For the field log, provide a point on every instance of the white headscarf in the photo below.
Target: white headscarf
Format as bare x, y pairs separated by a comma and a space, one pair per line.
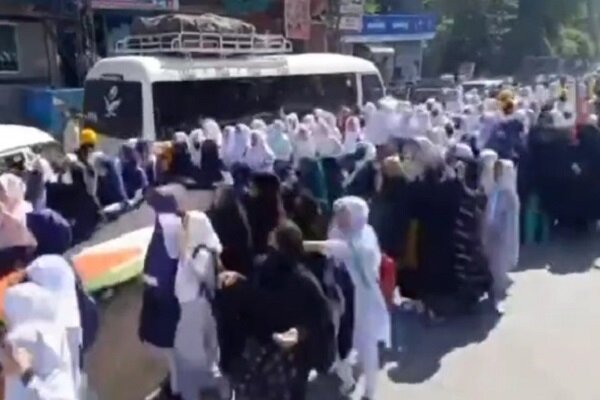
422, 121
331, 146
362, 257
258, 125
438, 136
292, 123
508, 178
491, 106
429, 154
54, 273
212, 131
12, 196
541, 94
180, 137
278, 141
488, 161
376, 131
228, 138
32, 317
352, 135
259, 157
42, 166
14, 232
238, 144
196, 138
310, 121
304, 144
368, 111
196, 267
463, 150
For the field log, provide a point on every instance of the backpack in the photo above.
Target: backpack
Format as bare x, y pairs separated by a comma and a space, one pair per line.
89, 315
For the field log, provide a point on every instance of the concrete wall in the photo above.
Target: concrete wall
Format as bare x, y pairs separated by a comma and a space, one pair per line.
38, 66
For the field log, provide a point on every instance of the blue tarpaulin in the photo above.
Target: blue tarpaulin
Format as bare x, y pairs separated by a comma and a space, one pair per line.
41, 110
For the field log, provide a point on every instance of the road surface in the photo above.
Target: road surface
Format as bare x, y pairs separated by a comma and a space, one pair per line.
546, 347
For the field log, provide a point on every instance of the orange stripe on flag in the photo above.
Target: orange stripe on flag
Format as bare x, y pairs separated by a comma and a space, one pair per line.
91, 266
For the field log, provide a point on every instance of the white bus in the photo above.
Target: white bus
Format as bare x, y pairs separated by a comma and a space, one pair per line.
153, 94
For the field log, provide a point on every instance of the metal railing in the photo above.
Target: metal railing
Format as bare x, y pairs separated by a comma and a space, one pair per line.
201, 43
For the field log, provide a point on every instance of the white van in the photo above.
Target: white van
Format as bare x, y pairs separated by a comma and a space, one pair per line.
160, 91
19, 143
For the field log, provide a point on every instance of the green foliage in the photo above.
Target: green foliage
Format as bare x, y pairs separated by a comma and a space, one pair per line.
497, 34
574, 43
372, 7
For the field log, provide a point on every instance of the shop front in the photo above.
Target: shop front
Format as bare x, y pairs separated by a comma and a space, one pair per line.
394, 42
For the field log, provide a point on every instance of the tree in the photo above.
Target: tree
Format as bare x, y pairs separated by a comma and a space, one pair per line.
498, 34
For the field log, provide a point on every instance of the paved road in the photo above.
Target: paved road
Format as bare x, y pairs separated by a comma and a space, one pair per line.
546, 347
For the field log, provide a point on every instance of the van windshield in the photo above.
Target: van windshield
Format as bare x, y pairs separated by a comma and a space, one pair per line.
180, 105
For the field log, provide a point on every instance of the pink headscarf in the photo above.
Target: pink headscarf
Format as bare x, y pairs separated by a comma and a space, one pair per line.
12, 196
14, 232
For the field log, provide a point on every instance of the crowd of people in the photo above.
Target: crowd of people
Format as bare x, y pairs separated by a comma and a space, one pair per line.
288, 271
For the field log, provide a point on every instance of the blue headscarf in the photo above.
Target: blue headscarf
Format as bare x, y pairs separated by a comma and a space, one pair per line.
51, 231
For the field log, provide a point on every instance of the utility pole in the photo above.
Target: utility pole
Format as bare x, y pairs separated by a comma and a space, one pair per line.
86, 41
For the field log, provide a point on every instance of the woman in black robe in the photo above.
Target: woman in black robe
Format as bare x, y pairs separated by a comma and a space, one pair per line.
284, 327
436, 210
229, 221
264, 208
470, 265
211, 166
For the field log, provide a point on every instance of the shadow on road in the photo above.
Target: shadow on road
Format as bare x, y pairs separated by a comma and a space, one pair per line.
424, 346
567, 253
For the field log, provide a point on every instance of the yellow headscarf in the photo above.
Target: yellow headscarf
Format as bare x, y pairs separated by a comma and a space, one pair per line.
88, 137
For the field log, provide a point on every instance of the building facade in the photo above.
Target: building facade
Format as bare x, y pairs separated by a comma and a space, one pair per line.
394, 38
28, 55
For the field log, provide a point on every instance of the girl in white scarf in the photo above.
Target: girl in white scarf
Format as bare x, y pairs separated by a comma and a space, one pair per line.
304, 145
196, 345
279, 142
353, 241
368, 111
55, 274
36, 357
237, 145
212, 131
196, 138
501, 230
352, 135
259, 157
12, 196
488, 159
292, 124
259, 125
228, 137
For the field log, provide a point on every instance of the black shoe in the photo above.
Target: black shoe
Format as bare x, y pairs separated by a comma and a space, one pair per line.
166, 393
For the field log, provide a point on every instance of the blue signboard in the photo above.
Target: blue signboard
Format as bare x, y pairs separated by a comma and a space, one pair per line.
394, 28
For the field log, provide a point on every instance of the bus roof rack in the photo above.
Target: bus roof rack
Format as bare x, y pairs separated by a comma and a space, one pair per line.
204, 43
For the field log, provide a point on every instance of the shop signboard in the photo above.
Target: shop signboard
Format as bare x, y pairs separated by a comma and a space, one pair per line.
158, 5
351, 15
394, 28
297, 19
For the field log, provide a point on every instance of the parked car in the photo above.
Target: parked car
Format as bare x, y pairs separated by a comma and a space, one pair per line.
21, 144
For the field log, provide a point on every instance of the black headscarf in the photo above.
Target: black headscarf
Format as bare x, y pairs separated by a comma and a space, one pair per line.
231, 225
264, 209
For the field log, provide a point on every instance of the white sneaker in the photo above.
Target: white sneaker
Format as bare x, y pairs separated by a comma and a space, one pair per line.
344, 371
